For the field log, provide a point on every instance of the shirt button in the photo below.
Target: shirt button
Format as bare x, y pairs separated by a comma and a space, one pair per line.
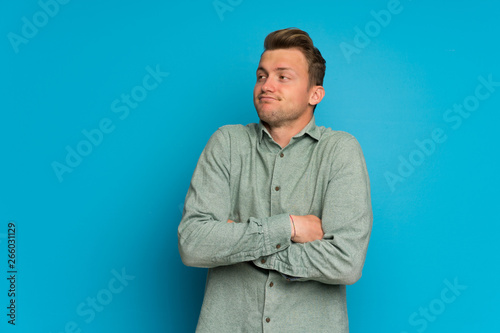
277, 188
281, 155
268, 319
271, 284
263, 261
278, 246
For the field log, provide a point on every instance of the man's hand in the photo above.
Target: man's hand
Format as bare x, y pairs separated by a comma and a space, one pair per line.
307, 228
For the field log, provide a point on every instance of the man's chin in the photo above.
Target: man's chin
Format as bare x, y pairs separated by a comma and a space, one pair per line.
266, 108
266, 115
270, 119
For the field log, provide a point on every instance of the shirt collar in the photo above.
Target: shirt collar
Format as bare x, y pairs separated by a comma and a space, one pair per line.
310, 129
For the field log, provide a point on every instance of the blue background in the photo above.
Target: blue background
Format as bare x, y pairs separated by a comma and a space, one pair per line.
119, 207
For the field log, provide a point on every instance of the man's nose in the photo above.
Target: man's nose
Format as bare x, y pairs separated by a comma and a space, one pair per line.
268, 85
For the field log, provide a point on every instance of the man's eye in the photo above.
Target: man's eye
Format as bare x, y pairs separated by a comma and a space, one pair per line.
260, 77
283, 77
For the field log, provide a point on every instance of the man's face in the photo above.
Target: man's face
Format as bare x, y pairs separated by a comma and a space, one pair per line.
281, 94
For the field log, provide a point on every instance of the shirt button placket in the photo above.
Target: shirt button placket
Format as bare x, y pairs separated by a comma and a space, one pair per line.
276, 186
270, 302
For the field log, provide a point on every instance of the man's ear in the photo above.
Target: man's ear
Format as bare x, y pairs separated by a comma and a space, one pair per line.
317, 94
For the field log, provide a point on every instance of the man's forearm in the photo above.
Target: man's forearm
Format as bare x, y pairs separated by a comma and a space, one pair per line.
205, 242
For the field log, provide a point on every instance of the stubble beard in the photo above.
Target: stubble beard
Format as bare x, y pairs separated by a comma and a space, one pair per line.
278, 117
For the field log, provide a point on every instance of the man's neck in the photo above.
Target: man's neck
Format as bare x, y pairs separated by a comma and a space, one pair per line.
283, 134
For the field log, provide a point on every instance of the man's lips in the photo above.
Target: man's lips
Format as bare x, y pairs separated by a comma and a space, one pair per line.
268, 98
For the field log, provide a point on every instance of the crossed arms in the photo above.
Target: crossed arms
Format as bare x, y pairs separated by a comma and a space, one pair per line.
330, 250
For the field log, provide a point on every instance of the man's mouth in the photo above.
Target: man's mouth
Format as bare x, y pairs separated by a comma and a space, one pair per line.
268, 98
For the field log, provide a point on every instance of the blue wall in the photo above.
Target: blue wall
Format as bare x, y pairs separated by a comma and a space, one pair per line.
106, 106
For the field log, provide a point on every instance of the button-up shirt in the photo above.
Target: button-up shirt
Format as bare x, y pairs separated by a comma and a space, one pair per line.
258, 279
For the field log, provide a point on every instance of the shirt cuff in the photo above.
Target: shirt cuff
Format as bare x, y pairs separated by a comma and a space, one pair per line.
277, 231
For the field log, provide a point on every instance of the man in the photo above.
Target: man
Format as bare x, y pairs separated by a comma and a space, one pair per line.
279, 211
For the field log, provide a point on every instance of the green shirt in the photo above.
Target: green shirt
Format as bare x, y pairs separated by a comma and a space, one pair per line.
245, 176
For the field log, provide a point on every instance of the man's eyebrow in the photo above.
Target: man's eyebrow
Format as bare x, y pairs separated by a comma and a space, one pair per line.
281, 69
278, 69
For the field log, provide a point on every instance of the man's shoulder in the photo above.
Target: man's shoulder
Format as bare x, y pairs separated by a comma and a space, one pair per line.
333, 137
233, 136
239, 130
339, 147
